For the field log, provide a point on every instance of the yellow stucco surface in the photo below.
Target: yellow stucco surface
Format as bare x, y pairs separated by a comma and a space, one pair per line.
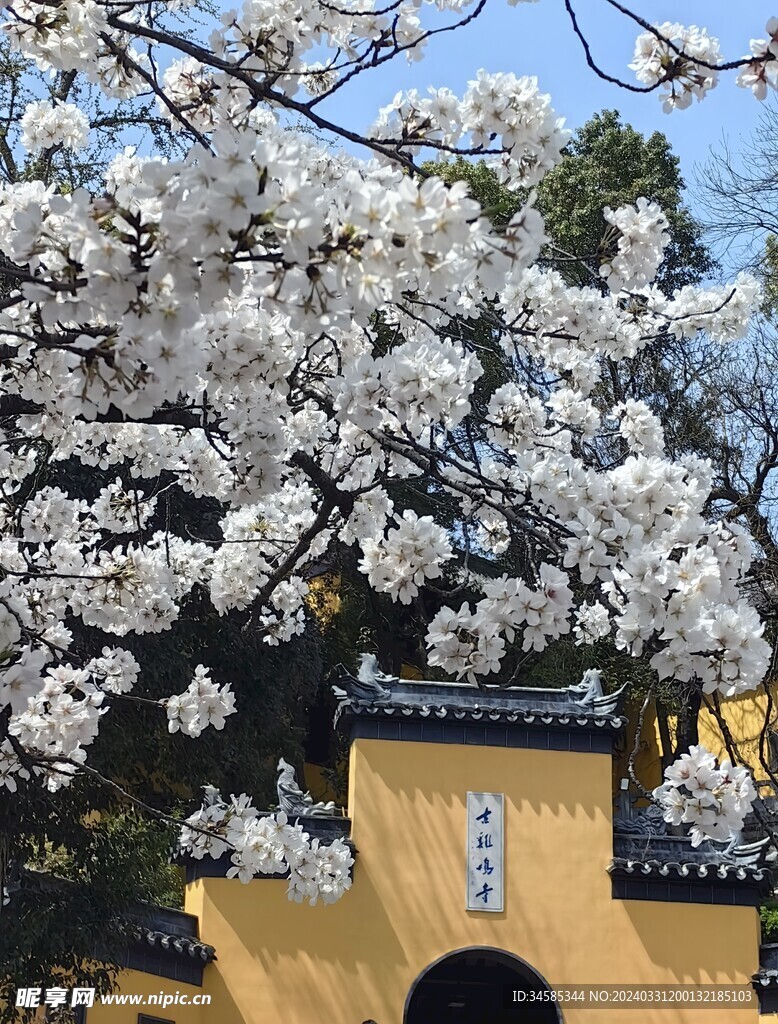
745, 716
356, 960
648, 757
137, 983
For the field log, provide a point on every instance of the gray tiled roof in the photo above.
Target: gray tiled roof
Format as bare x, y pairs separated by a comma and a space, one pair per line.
464, 702
166, 943
186, 945
767, 975
688, 869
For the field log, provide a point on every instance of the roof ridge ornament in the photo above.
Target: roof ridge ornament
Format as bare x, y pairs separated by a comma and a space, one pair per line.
368, 684
592, 695
293, 801
373, 694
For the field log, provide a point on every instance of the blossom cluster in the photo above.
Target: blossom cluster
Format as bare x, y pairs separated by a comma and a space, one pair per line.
761, 73
55, 714
409, 554
506, 117
713, 799
202, 703
267, 844
472, 643
685, 63
642, 241
55, 710
45, 125
672, 57
189, 85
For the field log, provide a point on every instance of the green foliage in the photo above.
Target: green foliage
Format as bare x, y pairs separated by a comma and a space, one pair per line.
768, 915
124, 844
606, 163
68, 915
609, 163
498, 202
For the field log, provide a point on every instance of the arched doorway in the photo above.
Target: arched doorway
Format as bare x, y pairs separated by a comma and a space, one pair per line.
477, 986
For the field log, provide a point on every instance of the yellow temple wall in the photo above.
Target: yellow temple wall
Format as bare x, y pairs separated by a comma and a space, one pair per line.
648, 758
138, 983
357, 959
745, 717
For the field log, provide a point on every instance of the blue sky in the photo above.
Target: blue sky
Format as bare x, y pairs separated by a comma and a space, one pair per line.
537, 39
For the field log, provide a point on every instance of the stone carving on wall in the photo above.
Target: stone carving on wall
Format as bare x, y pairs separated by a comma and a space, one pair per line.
646, 821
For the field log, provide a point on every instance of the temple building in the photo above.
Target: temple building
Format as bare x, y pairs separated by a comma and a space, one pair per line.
493, 867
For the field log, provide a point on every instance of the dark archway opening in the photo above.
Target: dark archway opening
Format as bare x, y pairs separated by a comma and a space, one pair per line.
480, 986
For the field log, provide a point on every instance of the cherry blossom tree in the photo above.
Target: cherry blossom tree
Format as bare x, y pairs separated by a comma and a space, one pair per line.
214, 318
608, 162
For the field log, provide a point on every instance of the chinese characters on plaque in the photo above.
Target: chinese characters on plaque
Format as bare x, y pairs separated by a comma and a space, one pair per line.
484, 851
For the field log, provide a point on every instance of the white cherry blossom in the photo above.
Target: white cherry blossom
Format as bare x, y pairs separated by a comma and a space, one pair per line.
268, 844
46, 125
713, 799
203, 703
677, 67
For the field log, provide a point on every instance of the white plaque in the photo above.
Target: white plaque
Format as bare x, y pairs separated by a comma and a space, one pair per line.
485, 851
